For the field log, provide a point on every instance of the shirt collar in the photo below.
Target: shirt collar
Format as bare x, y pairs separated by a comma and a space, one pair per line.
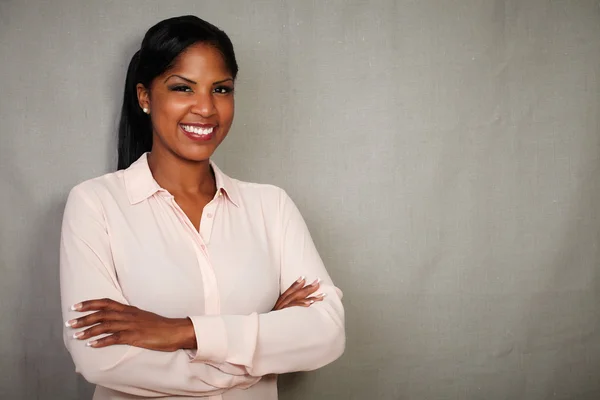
226, 185
140, 184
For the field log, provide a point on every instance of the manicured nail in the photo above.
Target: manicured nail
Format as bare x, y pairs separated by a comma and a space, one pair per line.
300, 279
316, 282
70, 323
321, 295
91, 344
76, 307
312, 301
77, 335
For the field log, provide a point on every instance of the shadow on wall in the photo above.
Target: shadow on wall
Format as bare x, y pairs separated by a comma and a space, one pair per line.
288, 384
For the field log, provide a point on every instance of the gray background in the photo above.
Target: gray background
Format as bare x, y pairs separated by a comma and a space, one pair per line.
445, 155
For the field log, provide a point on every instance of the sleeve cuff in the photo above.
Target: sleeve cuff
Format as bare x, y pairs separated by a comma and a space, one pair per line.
211, 339
225, 339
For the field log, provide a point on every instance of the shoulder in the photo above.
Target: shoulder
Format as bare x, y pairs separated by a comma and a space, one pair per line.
272, 201
257, 189
97, 190
260, 192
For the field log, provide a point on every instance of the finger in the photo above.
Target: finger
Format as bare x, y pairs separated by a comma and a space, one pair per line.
102, 329
121, 337
316, 282
318, 297
304, 292
299, 295
295, 286
97, 317
300, 303
286, 304
309, 301
306, 302
99, 304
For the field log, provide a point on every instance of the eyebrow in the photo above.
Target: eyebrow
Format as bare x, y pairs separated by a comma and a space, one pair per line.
223, 81
180, 77
193, 82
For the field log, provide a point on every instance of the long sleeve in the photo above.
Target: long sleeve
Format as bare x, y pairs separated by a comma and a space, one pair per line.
87, 272
292, 339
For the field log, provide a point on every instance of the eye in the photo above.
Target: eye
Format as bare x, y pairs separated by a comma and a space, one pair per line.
181, 88
223, 89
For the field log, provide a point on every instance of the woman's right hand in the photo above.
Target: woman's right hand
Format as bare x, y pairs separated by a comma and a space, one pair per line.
299, 295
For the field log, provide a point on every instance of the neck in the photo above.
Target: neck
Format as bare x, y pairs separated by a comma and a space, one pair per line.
177, 175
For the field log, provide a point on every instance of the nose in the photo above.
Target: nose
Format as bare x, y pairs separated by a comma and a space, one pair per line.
204, 105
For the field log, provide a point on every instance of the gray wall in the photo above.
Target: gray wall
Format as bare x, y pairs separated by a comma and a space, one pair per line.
445, 155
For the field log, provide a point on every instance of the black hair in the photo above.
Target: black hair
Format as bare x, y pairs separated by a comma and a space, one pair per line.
162, 44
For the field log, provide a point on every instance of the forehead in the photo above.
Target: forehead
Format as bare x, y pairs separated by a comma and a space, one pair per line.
200, 59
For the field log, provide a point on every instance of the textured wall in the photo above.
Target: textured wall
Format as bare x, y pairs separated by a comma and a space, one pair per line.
445, 155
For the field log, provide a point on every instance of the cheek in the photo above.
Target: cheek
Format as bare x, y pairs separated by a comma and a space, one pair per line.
226, 111
173, 107
167, 111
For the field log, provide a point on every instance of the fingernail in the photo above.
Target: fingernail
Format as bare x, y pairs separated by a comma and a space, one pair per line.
70, 323
76, 307
300, 279
77, 335
312, 301
316, 282
91, 344
322, 295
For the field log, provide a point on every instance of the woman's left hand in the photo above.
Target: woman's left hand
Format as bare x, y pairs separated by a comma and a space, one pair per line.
132, 326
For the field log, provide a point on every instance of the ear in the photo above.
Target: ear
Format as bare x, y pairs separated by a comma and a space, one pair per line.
143, 96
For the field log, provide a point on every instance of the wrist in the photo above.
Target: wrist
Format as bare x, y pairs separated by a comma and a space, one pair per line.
185, 334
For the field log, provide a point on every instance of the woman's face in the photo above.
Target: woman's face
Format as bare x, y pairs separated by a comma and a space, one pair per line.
191, 105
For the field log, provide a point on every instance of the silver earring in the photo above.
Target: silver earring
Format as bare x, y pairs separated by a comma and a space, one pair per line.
146, 110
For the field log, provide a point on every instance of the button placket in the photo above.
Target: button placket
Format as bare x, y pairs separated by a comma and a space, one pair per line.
207, 221
208, 217
186, 221
211, 291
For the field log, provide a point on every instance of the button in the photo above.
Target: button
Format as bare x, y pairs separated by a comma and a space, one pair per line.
209, 215
220, 193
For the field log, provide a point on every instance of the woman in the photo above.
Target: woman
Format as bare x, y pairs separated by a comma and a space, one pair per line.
172, 272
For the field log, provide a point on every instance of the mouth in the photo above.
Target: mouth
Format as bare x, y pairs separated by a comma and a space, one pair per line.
199, 132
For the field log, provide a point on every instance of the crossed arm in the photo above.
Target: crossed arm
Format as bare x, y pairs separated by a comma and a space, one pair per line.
141, 353
119, 323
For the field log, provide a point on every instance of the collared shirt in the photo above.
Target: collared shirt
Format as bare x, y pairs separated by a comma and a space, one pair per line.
125, 238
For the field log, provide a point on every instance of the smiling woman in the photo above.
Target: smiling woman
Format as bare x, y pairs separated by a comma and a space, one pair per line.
177, 280
194, 102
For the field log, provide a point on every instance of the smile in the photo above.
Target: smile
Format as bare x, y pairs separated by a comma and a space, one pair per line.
204, 131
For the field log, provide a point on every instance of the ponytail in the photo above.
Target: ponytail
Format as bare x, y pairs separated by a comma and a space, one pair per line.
135, 128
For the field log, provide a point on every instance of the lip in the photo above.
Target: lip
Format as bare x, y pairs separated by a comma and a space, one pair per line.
199, 138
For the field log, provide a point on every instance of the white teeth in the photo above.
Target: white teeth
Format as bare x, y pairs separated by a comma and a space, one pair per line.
196, 130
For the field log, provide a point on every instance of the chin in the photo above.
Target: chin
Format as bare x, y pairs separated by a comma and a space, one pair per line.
197, 154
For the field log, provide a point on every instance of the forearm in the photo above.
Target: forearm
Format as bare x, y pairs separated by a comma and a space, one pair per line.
150, 373
184, 335
289, 340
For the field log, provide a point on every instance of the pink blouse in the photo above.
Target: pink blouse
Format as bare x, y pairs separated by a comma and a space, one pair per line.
125, 238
